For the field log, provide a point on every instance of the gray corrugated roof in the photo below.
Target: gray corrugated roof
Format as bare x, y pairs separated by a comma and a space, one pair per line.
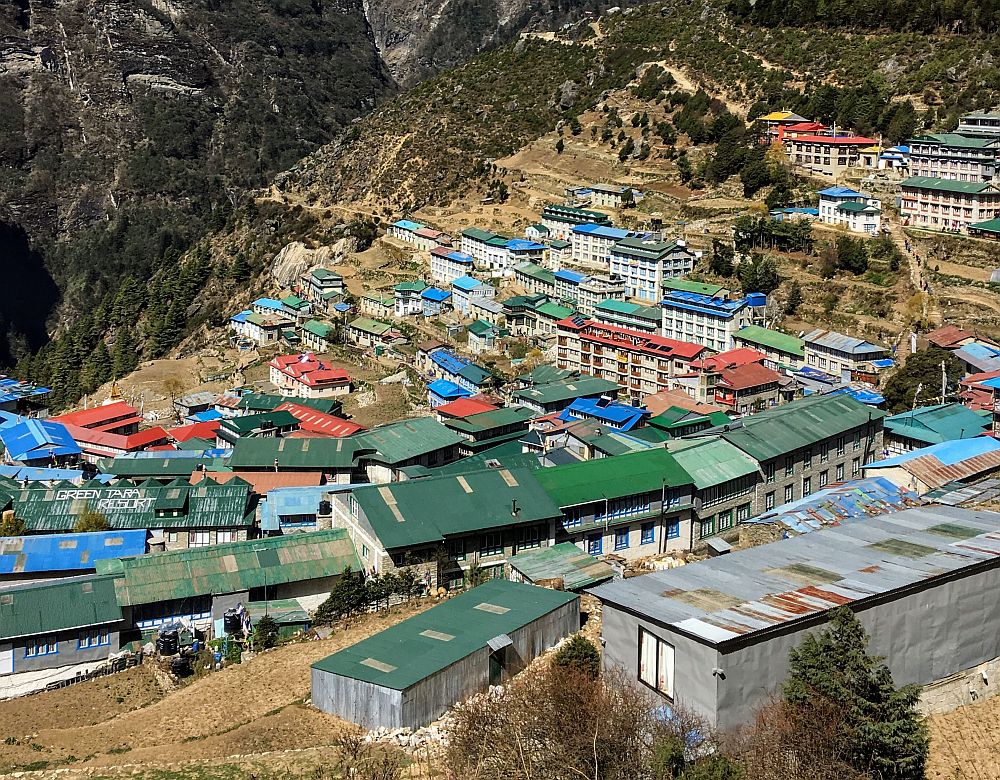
752, 590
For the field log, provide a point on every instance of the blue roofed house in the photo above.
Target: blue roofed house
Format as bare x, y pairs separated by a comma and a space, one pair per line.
49, 555
443, 391
858, 212
712, 321
445, 364
39, 443
566, 284
404, 230
434, 301
614, 414
932, 425
930, 468
978, 357
522, 250
265, 306
25, 398
448, 264
466, 289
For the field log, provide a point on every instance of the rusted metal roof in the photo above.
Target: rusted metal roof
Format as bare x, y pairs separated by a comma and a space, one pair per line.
745, 592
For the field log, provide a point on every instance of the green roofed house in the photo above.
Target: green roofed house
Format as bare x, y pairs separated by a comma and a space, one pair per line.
782, 350
563, 566
702, 288
420, 441
186, 515
445, 523
631, 505
489, 429
676, 421
555, 395
200, 585
251, 426
989, 228
161, 469
268, 402
410, 674
933, 425
318, 336
933, 204
339, 459
47, 625
633, 316
364, 332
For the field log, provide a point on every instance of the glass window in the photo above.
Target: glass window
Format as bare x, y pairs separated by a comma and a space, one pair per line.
789, 493
708, 526
769, 472
673, 529
769, 500
824, 453
856, 467
621, 538
647, 534
222, 537
46, 645
806, 486
492, 544
807, 459
840, 472
656, 663
456, 549
595, 544
93, 638
725, 519
789, 466
199, 539
528, 538
824, 478
857, 440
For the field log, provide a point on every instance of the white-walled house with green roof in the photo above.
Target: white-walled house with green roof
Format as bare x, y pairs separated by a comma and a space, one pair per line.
947, 205
365, 332
318, 336
782, 349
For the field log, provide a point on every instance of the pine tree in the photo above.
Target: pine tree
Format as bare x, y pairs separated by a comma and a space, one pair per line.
579, 654
265, 633
884, 735
124, 355
794, 299
97, 369
560, 146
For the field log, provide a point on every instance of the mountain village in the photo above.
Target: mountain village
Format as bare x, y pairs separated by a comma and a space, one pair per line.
597, 437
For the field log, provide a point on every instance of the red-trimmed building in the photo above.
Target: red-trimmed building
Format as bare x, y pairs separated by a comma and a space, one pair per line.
198, 430
747, 388
464, 407
306, 376
799, 129
116, 417
96, 444
315, 423
642, 364
827, 154
974, 394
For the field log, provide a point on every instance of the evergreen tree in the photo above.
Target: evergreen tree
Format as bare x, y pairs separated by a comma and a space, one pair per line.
265, 633
884, 736
923, 369
560, 146
97, 368
579, 654
124, 353
720, 262
684, 168
794, 299
759, 274
626, 151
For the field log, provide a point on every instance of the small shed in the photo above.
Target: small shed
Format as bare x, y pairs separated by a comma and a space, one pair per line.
411, 673
563, 562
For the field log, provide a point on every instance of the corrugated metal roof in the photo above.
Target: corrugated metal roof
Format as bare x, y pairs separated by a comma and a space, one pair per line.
937, 423
230, 568
563, 561
67, 552
567, 389
751, 590
314, 453
712, 461
424, 644
402, 441
949, 461
47, 607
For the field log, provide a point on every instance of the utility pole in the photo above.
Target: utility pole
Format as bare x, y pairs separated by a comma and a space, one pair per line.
944, 381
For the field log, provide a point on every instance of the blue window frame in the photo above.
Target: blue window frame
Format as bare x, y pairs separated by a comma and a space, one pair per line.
46, 645
595, 544
621, 538
648, 534
673, 529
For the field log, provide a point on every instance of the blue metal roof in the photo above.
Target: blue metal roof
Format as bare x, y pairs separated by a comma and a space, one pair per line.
460, 257
434, 294
67, 552
449, 361
948, 452
206, 416
524, 245
241, 317
602, 231
840, 192
407, 224
622, 416
466, 283
38, 474
269, 303
341, 307
442, 388
814, 212
869, 397
706, 304
570, 276
37, 439
884, 363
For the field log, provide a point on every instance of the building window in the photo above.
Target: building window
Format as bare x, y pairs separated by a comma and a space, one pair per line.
46, 645
769, 501
624, 507
171, 536
656, 663
725, 520
742, 513
789, 465
93, 638
621, 538
824, 453
807, 459
648, 534
528, 538
595, 544
769, 472
855, 467
841, 445
789, 493
223, 537
707, 526
673, 529
199, 538
456, 549
840, 472
857, 440
824, 478
492, 544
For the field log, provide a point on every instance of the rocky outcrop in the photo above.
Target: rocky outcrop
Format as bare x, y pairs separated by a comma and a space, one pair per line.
295, 259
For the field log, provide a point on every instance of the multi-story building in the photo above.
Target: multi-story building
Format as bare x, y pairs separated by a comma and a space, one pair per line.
643, 264
829, 155
592, 243
746, 389
467, 289
633, 316
560, 253
521, 250
780, 349
806, 445
376, 304
979, 124
775, 122
535, 279
712, 322
943, 204
594, 290
449, 264
406, 298
954, 156
640, 363
610, 196
840, 355
488, 249
560, 220
856, 211
321, 284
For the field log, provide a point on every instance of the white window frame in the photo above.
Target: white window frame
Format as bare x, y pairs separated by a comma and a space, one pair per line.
656, 663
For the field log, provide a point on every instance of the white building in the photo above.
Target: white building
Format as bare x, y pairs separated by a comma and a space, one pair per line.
560, 220
643, 264
592, 243
448, 264
306, 376
610, 196
839, 355
856, 211
488, 249
711, 322
467, 289
406, 298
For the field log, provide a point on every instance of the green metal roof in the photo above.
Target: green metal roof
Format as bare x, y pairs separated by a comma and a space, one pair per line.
619, 307
480, 328
508, 455
430, 642
366, 325
547, 372
687, 285
563, 561
478, 235
854, 206
324, 273
230, 568
133, 505
251, 422
426, 511
494, 418
554, 310
622, 475
266, 402
711, 461
956, 140
540, 228
294, 302
160, 468
650, 250
402, 441
772, 339
476, 374
317, 328
57, 605
989, 226
560, 244
948, 185
938, 423
309, 453
801, 423
414, 286
536, 272
567, 389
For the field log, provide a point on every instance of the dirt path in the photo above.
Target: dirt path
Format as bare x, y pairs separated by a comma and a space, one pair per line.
965, 744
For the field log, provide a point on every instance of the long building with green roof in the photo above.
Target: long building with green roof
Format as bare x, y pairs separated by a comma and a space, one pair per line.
410, 674
781, 349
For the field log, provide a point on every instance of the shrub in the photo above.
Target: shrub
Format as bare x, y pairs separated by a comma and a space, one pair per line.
579, 654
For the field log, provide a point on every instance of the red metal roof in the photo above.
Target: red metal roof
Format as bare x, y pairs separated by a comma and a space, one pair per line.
261, 482
623, 338
109, 415
838, 140
464, 407
101, 443
747, 376
805, 126
313, 423
730, 359
949, 336
310, 370
198, 430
